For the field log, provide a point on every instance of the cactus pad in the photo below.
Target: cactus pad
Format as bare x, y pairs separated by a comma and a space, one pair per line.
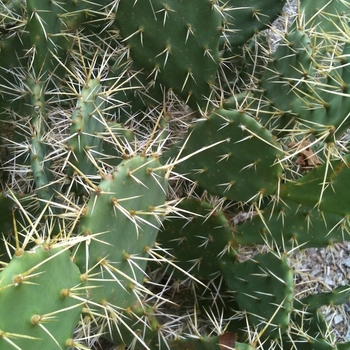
288, 224
122, 220
38, 308
200, 241
231, 155
177, 43
264, 288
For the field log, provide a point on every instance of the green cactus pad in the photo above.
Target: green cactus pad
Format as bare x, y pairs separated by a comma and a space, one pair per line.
325, 187
312, 92
338, 296
11, 49
288, 72
9, 212
200, 241
87, 124
44, 26
309, 330
38, 308
142, 319
243, 19
115, 138
7, 205
177, 43
10, 11
231, 155
49, 23
264, 288
319, 111
224, 341
332, 14
122, 221
343, 345
138, 91
288, 224
39, 147
79, 14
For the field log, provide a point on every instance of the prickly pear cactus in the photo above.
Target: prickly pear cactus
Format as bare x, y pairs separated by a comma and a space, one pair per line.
226, 164
182, 49
40, 303
267, 283
207, 229
145, 146
127, 207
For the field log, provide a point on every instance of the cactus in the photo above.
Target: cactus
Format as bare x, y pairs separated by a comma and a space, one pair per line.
322, 183
39, 294
208, 230
232, 133
268, 291
291, 225
307, 314
87, 117
182, 49
224, 341
143, 129
132, 216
